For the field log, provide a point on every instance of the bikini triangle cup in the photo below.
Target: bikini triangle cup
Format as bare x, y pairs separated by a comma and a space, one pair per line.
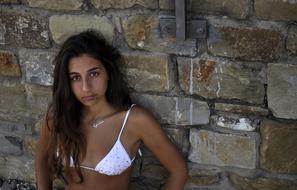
117, 160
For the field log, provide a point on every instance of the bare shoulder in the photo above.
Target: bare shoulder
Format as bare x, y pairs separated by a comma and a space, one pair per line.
140, 114
143, 121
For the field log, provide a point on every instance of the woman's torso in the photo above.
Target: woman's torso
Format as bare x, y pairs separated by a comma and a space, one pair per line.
99, 142
95, 181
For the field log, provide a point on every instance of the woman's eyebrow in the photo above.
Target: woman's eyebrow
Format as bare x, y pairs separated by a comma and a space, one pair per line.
92, 69
73, 73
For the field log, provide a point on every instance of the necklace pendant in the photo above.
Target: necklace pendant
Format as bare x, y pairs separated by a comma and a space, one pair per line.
97, 123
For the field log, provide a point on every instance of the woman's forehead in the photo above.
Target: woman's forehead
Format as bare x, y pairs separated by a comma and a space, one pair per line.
84, 63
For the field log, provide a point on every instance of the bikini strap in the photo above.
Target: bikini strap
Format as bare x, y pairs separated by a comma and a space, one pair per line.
125, 120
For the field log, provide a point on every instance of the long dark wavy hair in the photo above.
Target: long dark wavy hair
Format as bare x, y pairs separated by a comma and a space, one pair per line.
66, 138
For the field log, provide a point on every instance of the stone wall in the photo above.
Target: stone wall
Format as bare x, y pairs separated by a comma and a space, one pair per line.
227, 99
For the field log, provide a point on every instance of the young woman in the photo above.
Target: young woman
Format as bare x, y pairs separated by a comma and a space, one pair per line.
92, 132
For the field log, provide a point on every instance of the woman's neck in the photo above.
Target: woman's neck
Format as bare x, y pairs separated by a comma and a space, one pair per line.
101, 109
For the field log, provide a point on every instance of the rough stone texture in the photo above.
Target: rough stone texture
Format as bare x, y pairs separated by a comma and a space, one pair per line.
291, 42
245, 43
7, 184
242, 109
154, 171
212, 78
30, 145
278, 147
12, 98
37, 66
232, 8
163, 107
282, 90
8, 1
16, 128
147, 72
143, 183
24, 30
179, 138
245, 183
123, 4
276, 9
142, 32
9, 65
63, 26
234, 122
10, 145
167, 4
222, 149
38, 98
201, 177
173, 110
56, 4
17, 168
38, 125
191, 112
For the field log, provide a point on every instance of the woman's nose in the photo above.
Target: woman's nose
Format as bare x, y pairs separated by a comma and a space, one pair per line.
86, 85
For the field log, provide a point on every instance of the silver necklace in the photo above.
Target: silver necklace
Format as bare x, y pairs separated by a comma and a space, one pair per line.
97, 122
100, 120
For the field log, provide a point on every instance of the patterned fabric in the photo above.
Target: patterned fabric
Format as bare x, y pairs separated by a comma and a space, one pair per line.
117, 159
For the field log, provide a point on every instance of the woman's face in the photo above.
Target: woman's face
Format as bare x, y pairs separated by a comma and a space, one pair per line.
88, 78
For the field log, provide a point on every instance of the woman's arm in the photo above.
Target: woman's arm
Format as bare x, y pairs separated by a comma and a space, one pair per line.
41, 161
156, 140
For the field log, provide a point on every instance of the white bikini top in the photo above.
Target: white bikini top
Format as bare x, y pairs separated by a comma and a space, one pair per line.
117, 159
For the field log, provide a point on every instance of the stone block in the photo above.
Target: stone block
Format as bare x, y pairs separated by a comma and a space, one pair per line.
215, 78
30, 145
162, 107
191, 112
282, 90
241, 109
16, 128
142, 32
8, 1
143, 183
178, 137
276, 9
10, 145
24, 30
291, 41
222, 149
245, 183
154, 171
147, 72
56, 4
63, 26
174, 110
124, 4
38, 125
9, 65
167, 4
12, 98
235, 122
278, 147
37, 66
38, 98
201, 177
232, 8
17, 168
244, 42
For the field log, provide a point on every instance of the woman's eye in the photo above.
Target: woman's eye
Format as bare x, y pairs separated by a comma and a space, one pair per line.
74, 78
94, 74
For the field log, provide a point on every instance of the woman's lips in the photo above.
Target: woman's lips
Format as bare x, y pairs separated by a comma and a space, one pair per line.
88, 98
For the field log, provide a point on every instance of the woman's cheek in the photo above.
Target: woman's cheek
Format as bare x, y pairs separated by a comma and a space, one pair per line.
75, 89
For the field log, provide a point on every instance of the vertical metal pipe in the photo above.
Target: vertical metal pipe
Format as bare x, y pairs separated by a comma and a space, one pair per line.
180, 17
